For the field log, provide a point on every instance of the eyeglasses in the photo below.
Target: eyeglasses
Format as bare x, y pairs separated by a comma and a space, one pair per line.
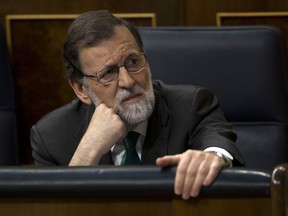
133, 64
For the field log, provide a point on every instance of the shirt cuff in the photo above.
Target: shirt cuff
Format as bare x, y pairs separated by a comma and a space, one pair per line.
222, 151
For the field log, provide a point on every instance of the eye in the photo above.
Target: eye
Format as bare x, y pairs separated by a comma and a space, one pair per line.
109, 74
132, 61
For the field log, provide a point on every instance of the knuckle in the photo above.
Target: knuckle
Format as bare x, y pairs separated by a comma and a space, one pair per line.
189, 153
191, 172
181, 170
215, 167
203, 172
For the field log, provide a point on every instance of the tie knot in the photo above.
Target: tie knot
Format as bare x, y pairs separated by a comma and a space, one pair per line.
130, 140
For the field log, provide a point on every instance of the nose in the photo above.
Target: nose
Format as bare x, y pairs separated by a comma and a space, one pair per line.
125, 80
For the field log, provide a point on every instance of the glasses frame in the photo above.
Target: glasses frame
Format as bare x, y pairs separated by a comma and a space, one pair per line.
95, 77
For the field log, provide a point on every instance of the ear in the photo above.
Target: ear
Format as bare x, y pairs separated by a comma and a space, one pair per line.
80, 91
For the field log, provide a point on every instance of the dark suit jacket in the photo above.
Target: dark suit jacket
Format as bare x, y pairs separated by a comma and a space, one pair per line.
185, 117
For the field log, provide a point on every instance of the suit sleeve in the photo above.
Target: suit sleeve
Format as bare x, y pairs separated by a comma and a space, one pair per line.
209, 127
40, 153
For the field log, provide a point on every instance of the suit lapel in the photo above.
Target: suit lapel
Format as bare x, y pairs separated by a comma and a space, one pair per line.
156, 142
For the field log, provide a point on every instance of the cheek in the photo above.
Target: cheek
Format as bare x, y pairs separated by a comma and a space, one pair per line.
144, 79
106, 94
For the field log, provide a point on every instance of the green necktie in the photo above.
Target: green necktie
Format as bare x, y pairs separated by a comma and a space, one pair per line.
130, 155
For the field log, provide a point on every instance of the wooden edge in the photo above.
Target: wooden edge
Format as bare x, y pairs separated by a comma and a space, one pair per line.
8, 37
279, 190
11, 17
221, 15
152, 16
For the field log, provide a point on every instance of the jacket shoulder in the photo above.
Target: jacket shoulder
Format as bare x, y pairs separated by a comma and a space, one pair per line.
71, 112
180, 93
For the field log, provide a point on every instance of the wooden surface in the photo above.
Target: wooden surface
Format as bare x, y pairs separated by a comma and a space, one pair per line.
203, 12
139, 207
279, 190
169, 12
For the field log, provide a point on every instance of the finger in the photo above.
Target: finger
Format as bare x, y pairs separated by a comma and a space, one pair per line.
168, 160
181, 174
191, 174
212, 174
200, 176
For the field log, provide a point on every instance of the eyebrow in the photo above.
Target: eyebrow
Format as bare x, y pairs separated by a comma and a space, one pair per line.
107, 67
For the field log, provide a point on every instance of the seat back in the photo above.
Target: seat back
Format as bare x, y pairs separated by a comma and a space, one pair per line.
8, 126
244, 66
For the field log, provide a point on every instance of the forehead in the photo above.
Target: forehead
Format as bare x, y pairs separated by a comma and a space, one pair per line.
120, 41
109, 51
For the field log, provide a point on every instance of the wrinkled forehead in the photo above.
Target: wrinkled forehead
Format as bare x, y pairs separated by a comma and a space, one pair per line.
110, 51
117, 32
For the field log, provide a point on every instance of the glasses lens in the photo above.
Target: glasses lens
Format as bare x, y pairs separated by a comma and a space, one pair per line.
109, 74
135, 62
132, 64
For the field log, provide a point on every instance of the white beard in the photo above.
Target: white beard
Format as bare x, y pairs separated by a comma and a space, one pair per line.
133, 113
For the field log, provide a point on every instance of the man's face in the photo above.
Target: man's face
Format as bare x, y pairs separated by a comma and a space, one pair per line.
131, 95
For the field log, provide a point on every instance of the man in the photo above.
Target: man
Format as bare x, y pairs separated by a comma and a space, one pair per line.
109, 73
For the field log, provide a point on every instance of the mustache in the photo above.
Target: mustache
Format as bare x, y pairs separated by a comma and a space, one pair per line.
126, 93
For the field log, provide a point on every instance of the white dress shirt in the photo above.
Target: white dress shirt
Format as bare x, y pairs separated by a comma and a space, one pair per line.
118, 149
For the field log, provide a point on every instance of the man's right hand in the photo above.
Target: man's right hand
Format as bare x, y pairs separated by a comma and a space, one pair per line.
106, 128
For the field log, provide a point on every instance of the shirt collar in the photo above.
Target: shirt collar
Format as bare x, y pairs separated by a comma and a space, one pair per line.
141, 128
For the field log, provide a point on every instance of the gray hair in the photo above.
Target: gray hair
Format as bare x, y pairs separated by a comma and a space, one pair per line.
89, 29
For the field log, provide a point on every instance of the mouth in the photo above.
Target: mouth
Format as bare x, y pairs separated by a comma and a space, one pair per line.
132, 99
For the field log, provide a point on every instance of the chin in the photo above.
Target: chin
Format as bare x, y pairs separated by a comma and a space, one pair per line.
136, 113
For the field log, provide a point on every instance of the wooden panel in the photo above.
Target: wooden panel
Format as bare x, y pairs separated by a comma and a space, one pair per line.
169, 12
35, 43
125, 206
224, 206
202, 12
84, 206
278, 19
